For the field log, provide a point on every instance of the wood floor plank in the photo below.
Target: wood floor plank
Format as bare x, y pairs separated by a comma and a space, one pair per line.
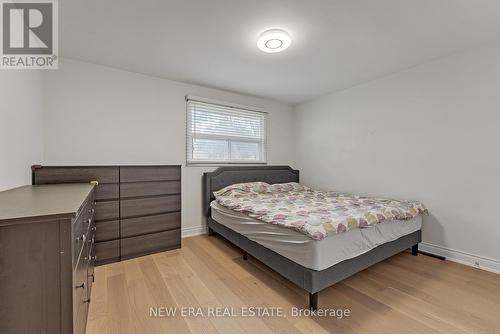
411, 306
156, 287
434, 286
188, 290
141, 299
220, 281
120, 320
404, 294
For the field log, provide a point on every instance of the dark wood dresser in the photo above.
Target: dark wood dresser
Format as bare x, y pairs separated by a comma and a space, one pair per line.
138, 208
46, 258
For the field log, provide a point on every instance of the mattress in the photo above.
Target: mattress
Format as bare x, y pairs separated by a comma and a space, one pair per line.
309, 253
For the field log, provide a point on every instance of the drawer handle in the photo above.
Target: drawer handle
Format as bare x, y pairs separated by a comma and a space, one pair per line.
81, 286
90, 258
91, 241
87, 300
94, 228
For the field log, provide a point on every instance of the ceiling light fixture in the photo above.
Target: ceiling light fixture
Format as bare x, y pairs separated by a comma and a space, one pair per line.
274, 40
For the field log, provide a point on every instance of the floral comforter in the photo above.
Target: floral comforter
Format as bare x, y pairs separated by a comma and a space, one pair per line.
314, 213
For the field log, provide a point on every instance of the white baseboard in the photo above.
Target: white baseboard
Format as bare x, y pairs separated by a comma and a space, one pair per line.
194, 230
471, 260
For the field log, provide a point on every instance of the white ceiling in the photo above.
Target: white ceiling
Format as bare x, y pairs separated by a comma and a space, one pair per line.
336, 44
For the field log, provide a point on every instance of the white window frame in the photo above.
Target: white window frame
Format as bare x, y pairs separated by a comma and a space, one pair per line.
190, 135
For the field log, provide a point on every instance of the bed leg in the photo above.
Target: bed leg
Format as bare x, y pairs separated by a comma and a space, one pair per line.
313, 301
245, 256
414, 250
210, 231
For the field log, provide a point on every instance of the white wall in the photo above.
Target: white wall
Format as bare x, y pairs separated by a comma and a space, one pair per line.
96, 115
21, 103
431, 133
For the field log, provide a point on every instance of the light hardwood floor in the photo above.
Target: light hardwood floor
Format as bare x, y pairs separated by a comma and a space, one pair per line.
403, 294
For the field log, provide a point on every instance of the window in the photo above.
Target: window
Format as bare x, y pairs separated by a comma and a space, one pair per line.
218, 133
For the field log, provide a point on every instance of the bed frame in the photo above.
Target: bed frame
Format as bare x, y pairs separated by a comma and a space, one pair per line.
311, 280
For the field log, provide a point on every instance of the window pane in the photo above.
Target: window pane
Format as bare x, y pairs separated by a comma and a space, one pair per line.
210, 149
224, 124
245, 151
217, 133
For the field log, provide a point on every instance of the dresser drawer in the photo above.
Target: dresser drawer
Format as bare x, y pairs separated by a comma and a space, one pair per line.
79, 285
149, 224
137, 189
107, 191
107, 230
150, 206
149, 173
79, 235
76, 174
150, 243
90, 269
107, 210
86, 209
107, 251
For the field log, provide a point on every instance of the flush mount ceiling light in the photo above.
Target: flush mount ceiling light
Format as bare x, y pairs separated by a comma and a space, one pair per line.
274, 40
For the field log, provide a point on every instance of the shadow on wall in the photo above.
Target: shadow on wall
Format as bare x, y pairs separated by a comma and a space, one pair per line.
432, 230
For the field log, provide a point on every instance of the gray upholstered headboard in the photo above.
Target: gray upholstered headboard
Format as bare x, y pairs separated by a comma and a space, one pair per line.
225, 176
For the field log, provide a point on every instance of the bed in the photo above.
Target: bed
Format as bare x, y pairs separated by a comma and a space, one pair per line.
310, 264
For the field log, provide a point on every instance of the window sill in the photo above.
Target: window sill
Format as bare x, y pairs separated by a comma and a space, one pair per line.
206, 164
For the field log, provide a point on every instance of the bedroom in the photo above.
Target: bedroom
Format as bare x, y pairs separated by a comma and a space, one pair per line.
164, 104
